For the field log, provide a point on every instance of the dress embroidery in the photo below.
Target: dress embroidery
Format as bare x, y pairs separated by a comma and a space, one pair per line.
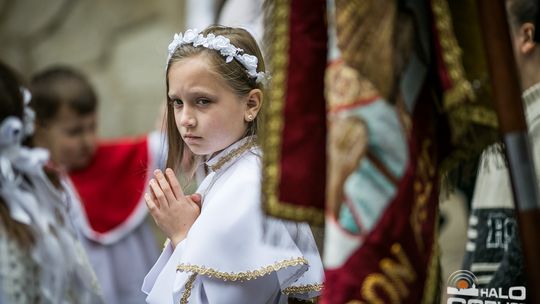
302, 289
232, 155
219, 165
241, 276
188, 286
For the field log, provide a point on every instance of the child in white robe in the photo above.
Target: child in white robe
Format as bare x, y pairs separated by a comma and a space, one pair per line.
104, 180
41, 258
222, 248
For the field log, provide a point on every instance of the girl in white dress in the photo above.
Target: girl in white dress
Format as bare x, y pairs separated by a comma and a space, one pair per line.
222, 248
41, 258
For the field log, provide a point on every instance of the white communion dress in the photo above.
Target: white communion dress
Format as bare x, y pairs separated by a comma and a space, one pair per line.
234, 253
55, 269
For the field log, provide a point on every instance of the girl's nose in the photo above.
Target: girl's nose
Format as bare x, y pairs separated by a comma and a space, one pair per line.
188, 120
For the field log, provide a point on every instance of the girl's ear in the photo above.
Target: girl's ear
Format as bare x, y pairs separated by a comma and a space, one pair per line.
526, 33
253, 105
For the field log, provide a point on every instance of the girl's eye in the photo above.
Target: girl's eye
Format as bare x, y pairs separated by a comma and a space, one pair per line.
177, 103
203, 101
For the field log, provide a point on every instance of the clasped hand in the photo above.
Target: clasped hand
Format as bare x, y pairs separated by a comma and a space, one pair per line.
173, 212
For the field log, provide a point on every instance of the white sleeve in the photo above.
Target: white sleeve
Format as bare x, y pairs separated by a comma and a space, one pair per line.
158, 283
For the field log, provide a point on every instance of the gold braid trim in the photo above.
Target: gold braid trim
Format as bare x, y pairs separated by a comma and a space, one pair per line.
233, 154
273, 127
432, 278
240, 276
189, 286
476, 114
302, 289
451, 54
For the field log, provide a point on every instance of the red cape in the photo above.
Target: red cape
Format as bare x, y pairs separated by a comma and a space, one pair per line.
112, 186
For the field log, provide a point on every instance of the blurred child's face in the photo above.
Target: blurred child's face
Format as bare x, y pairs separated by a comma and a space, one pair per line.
207, 112
70, 138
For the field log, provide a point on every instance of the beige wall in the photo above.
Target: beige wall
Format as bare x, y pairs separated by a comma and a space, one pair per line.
121, 45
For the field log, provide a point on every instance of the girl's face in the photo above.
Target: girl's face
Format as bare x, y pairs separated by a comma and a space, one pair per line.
207, 112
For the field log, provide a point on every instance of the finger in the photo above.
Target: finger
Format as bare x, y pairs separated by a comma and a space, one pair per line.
197, 199
175, 185
159, 195
164, 185
152, 206
154, 198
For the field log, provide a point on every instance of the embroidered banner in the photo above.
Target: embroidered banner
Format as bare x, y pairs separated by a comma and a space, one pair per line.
294, 166
396, 259
381, 242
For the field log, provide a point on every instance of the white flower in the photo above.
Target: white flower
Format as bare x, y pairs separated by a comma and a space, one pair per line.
219, 42
205, 40
11, 131
190, 36
249, 61
229, 52
200, 40
177, 40
27, 96
261, 77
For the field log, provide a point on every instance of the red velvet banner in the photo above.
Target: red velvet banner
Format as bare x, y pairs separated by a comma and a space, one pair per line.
295, 149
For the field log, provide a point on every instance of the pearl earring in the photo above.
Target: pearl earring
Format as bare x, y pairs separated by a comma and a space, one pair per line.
250, 117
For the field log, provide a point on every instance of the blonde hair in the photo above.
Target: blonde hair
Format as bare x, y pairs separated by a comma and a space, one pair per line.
234, 74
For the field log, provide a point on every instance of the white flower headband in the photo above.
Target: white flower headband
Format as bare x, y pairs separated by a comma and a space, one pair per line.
12, 129
223, 45
13, 156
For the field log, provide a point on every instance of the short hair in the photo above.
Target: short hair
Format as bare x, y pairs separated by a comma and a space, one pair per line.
60, 85
522, 11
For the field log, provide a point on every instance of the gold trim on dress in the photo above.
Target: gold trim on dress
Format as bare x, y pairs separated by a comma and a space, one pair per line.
279, 51
188, 287
302, 289
232, 155
240, 276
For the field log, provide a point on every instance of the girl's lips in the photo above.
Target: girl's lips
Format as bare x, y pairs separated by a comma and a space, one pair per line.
191, 139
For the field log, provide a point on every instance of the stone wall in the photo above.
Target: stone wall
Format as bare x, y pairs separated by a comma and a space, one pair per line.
120, 45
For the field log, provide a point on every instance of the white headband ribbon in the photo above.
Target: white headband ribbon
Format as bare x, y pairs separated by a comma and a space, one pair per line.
16, 159
221, 44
